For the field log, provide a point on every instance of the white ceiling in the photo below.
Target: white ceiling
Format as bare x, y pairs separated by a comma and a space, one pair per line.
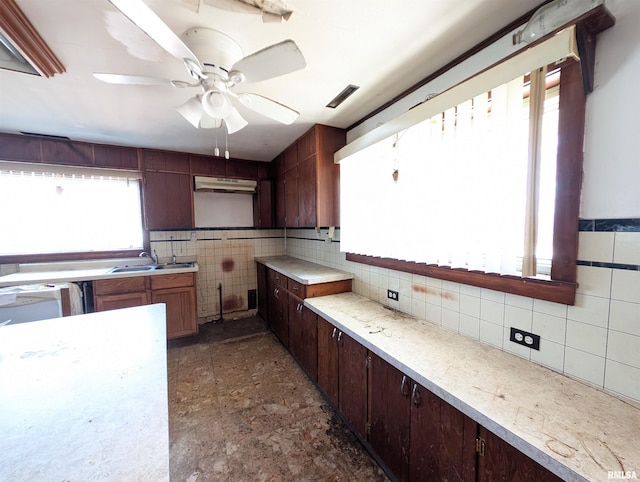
383, 46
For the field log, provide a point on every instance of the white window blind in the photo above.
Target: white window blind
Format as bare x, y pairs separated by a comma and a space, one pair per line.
68, 210
460, 192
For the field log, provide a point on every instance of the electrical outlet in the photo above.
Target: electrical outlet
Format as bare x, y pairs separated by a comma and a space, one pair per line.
525, 338
392, 295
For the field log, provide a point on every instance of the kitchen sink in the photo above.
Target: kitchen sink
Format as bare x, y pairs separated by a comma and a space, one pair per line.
132, 269
174, 265
129, 269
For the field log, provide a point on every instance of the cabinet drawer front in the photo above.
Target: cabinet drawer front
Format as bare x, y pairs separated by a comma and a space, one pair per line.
278, 279
297, 289
119, 285
172, 280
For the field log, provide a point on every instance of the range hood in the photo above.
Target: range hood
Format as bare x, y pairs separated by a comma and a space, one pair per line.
220, 184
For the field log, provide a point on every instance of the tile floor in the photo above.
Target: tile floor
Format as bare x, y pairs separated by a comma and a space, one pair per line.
240, 409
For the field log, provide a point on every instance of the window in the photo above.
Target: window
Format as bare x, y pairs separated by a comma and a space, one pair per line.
50, 210
445, 206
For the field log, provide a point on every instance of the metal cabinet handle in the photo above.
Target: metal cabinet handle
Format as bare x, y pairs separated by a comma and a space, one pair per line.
295, 287
404, 386
339, 337
415, 397
333, 335
275, 293
299, 308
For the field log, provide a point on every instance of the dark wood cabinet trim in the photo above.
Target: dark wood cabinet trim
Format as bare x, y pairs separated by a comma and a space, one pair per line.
17, 27
555, 291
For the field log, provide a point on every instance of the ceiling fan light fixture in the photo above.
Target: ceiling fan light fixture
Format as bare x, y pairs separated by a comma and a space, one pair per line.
216, 104
192, 111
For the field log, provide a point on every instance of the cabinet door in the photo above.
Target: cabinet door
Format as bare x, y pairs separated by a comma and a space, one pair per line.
352, 380
296, 328
504, 463
118, 301
310, 342
307, 193
181, 310
390, 415
280, 202
303, 337
328, 360
263, 298
442, 439
291, 198
263, 205
278, 313
167, 200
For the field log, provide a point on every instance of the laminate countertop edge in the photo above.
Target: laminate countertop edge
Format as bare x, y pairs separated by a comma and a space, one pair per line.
574, 430
304, 272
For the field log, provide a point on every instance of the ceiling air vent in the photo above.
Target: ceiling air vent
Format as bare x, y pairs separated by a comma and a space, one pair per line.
342, 96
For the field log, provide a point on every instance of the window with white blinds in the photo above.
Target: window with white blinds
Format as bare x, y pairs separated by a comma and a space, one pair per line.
52, 210
452, 189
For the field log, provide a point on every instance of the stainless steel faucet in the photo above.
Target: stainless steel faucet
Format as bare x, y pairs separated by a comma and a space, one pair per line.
145, 254
173, 255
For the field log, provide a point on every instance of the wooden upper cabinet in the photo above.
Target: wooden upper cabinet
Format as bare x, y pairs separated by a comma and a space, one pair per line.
155, 160
290, 156
168, 200
20, 148
317, 179
291, 204
306, 145
208, 165
115, 157
242, 169
263, 205
65, 152
308, 203
280, 201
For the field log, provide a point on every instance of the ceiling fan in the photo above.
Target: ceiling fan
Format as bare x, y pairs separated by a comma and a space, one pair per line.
216, 63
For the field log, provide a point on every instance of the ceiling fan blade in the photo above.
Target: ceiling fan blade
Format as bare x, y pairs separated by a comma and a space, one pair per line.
273, 61
269, 108
141, 15
234, 121
130, 79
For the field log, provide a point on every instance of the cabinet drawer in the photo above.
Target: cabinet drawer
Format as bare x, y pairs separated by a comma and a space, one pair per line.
172, 281
278, 279
119, 285
297, 289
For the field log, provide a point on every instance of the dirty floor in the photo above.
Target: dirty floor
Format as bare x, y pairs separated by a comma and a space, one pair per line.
240, 409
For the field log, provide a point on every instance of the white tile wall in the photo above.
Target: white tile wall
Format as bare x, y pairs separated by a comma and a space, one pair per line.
211, 248
596, 341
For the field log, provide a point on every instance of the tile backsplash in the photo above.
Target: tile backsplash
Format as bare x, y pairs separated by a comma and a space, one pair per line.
595, 341
225, 257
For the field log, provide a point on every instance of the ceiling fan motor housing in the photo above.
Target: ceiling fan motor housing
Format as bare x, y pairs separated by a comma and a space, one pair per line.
215, 50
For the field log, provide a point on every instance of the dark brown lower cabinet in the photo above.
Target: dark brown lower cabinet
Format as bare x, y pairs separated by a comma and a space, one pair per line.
352, 382
328, 360
303, 334
443, 439
278, 313
390, 415
504, 463
263, 299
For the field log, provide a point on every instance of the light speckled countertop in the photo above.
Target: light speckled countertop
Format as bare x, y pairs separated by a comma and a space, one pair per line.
576, 431
85, 397
304, 272
82, 271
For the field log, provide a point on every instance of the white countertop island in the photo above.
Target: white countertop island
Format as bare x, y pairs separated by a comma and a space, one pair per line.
85, 398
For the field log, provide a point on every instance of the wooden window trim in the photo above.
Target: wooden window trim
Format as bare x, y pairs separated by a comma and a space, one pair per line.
18, 29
